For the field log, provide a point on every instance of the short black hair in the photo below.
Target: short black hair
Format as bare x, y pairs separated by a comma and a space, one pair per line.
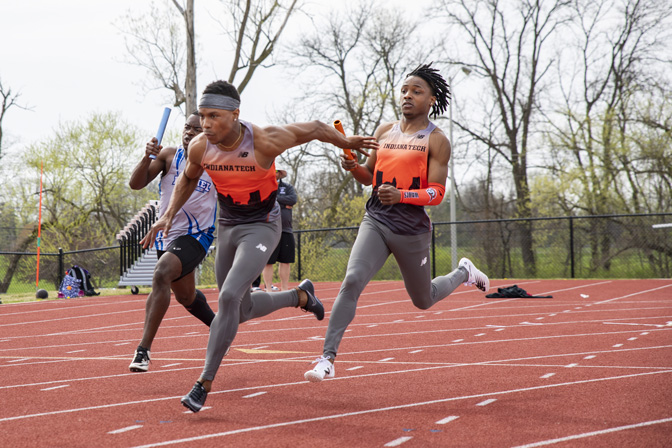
439, 86
222, 88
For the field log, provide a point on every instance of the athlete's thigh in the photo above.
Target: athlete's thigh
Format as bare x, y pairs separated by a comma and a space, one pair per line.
226, 251
370, 250
412, 255
168, 267
253, 245
185, 287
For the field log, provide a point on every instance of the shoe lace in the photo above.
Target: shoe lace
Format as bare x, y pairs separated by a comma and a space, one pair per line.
320, 359
198, 391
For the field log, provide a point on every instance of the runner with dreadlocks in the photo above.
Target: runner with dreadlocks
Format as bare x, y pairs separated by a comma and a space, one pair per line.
408, 171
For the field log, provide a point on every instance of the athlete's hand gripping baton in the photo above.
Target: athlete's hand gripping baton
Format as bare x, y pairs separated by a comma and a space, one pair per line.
162, 128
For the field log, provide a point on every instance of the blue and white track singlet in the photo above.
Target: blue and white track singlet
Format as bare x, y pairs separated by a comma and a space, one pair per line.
197, 216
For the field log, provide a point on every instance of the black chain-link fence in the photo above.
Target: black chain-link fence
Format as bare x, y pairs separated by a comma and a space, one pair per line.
614, 246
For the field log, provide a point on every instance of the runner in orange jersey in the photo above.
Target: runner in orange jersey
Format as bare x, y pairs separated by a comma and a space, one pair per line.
407, 171
240, 159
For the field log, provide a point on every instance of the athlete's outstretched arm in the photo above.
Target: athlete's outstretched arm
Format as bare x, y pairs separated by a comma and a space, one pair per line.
272, 141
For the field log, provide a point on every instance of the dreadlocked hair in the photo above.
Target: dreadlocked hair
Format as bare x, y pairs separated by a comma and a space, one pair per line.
439, 86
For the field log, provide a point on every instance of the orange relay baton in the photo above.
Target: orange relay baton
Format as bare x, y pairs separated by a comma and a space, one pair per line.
339, 128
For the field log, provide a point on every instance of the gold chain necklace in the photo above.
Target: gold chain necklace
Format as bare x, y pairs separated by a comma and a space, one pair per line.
240, 135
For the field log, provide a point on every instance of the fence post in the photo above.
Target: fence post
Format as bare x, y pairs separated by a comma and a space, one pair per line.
571, 246
298, 244
433, 252
61, 266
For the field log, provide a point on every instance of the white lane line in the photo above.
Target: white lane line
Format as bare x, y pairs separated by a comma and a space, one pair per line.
56, 387
399, 441
122, 343
326, 417
479, 334
443, 421
632, 339
355, 368
416, 351
530, 323
634, 324
256, 394
540, 318
595, 433
499, 329
259, 348
458, 340
644, 334
171, 365
128, 428
385, 359
397, 321
617, 345
487, 402
371, 326
569, 366
633, 294
548, 375
589, 357
19, 360
75, 351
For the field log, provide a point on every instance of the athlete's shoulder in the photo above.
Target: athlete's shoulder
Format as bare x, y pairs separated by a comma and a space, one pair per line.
439, 143
197, 147
384, 129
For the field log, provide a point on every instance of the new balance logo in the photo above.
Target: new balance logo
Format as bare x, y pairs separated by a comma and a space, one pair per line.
423, 262
261, 247
243, 154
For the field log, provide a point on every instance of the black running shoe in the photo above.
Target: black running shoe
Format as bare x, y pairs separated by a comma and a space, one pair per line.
195, 399
140, 361
313, 305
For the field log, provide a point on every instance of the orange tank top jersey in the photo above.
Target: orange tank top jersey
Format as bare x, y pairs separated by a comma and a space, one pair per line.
401, 160
246, 191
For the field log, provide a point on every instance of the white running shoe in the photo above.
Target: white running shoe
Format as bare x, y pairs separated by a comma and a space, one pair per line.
140, 361
323, 369
476, 277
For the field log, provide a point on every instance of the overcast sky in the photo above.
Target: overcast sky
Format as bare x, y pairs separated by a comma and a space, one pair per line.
66, 58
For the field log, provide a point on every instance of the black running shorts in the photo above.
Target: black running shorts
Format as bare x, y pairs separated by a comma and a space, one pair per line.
188, 250
284, 251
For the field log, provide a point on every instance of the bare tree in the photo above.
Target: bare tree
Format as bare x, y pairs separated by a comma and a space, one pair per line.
255, 30
9, 100
609, 147
356, 57
165, 44
157, 43
506, 43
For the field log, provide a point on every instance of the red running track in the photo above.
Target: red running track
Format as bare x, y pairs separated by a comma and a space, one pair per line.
590, 367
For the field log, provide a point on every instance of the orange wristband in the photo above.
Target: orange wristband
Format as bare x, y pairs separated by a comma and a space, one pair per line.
433, 195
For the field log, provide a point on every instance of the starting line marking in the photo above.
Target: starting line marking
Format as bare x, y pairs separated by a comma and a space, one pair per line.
256, 394
487, 402
128, 428
398, 441
443, 421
